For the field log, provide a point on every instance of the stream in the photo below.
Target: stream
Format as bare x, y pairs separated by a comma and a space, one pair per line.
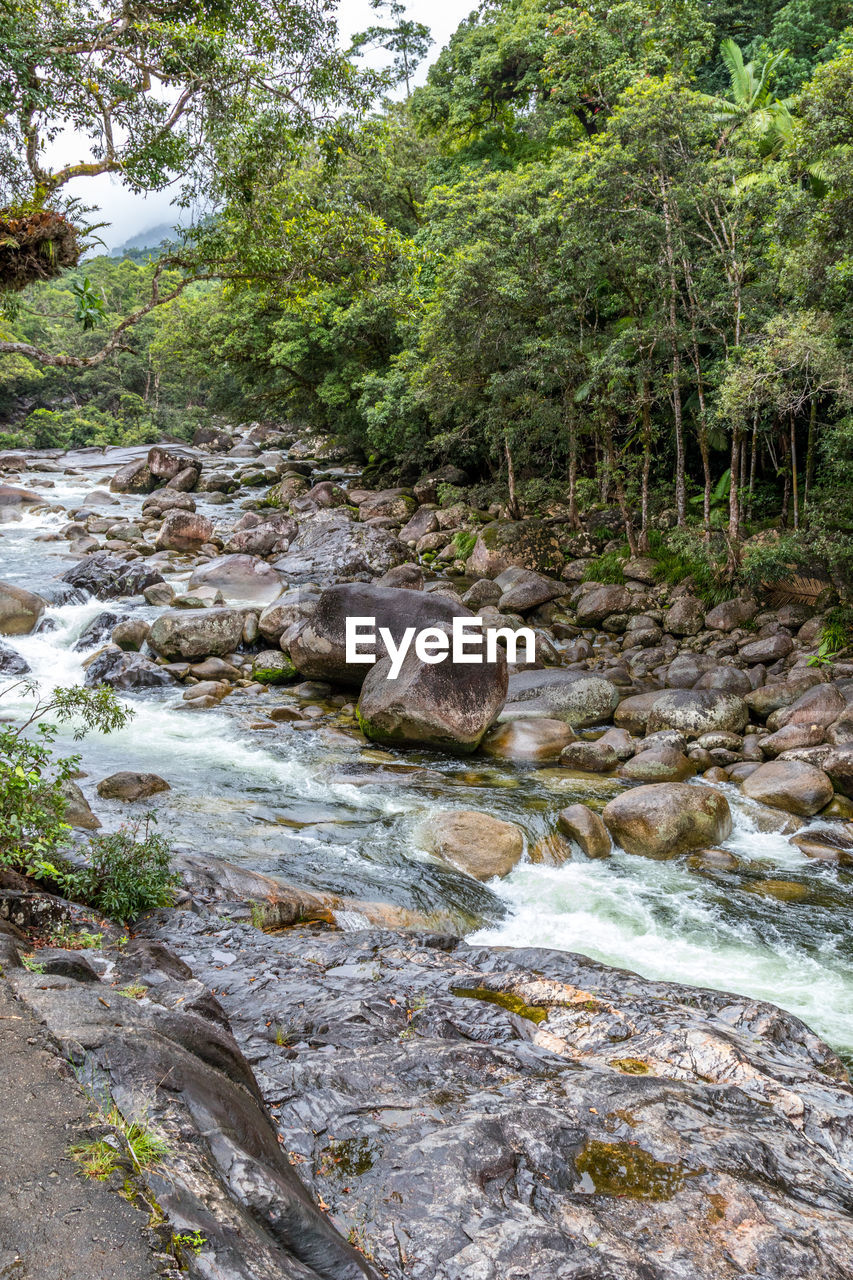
272, 801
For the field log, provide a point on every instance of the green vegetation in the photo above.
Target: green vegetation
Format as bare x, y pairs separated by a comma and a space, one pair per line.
129, 871
600, 260
135, 1139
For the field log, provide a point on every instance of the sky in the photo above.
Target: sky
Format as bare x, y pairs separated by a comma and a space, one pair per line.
128, 214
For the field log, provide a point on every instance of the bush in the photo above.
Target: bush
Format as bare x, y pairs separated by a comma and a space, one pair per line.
32, 803
127, 874
607, 567
681, 555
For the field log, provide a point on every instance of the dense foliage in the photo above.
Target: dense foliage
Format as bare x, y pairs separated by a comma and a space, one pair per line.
602, 256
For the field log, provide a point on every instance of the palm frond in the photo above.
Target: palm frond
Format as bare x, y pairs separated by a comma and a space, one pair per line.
795, 590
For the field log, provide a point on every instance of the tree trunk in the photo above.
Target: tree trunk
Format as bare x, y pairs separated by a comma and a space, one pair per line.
810, 452
752, 463
734, 497
574, 518
510, 476
794, 485
647, 463
627, 518
680, 485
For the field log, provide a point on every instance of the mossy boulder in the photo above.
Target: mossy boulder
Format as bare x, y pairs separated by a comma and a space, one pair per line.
529, 544
273, 667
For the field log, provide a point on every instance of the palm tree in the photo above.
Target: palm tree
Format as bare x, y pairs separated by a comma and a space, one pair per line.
751, 102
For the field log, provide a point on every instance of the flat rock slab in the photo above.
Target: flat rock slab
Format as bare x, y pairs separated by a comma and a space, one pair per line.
484, 1112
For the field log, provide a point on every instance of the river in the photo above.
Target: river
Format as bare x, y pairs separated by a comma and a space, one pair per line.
270, 801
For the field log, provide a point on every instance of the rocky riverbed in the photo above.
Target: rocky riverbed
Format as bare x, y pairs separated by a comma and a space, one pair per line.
666, 788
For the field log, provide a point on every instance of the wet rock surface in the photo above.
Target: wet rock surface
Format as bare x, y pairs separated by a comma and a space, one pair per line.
532, 1113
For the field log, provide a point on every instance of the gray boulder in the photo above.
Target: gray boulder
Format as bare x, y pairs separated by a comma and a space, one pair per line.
522, 589
577, 697
11, 662
665, 820
697, 711
332, 548
598, 603
686, 617
476, 843
107, 576
792, 785
196, 633
184, 531
125, 671
240, 578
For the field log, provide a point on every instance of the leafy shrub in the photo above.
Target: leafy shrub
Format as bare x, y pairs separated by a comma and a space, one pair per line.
771, 561
679, 555
32, 803
127, 873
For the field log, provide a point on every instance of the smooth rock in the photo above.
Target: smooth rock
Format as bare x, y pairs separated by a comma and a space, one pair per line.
586, 828
476, 843
667, 819
790, 785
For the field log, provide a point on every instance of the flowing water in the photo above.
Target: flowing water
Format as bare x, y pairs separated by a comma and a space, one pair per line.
278, 801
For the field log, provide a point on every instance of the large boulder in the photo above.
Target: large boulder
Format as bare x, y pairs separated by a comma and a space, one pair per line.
20, 610
332, 548
792, 785
667, 819
664, 763
318, 646
107, 576
530, 544
768, 698
446, 704
165, 463
697, 711
184, 531
577, 697
389, 504
247, 579
134, 477
598, 603
78, 812
288, 609
12, 496
196, 633
768, 648
522, 589
476, 843
125, 671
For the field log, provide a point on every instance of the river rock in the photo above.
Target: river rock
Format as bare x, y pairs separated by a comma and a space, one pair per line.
540, 739
507, 1059
599, 602
165, 463
131, 786
184, 482
446, 705
130, 633
107, 576
577, 697
392, 504
197, 633
410, 577
730, 614
818, 706
424, 521
332, 548
838, 765
289, 608
20, 610
125, 671
529, 544
791, 785
11, 662
665, 820
522, 589
685, 618
589, 757
12, 496
134, 477
318, 645
476, 843
768, 649
660, 764
240, 578
697, 711
184, 531
586, 828
273, 667
260, 540
78, 812
768, 698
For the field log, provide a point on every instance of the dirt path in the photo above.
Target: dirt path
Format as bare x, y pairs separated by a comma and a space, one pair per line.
54, 1224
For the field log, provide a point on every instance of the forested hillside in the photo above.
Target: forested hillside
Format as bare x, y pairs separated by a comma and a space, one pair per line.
601, 258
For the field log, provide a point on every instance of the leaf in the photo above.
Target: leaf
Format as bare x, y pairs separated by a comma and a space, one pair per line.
795, 590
